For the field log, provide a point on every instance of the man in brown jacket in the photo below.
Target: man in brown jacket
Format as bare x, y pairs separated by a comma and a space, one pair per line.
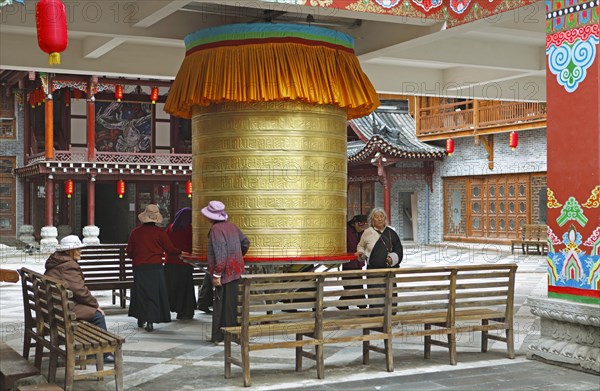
62, 264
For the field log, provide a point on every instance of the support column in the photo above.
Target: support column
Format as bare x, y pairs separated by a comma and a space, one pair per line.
49, 233
49, 105
91, 127
570, 320
90, 231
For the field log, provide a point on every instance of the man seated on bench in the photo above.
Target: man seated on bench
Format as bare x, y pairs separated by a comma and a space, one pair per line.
62, 264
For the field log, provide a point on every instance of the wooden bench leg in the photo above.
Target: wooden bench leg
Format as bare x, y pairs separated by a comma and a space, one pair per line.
366, 348
227, 355
389, 354
69, 372
452, 348
427, 347
299, 351
510, 343
119, 368
246, 363
320, 361
484, 336
39, 352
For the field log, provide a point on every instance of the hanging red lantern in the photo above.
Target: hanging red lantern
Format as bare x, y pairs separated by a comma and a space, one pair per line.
513, 140
69, 187
67, 97
154, 95
119, 92
51, 22
188, 188
120, 188
450, 146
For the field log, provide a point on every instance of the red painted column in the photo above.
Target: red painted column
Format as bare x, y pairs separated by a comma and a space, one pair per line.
573, 141
91, 130
49, 128
49, 201
91, 204
26, 202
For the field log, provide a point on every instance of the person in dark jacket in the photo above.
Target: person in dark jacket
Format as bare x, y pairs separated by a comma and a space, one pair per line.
354, 230
226, 248
146, 246
62, 265
179, 274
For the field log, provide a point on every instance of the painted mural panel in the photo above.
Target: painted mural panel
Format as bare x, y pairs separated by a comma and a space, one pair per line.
123, 126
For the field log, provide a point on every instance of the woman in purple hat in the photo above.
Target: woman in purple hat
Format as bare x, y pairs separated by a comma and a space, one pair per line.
226, 248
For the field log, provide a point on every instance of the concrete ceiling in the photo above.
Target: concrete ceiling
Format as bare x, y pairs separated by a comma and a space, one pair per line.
502, 57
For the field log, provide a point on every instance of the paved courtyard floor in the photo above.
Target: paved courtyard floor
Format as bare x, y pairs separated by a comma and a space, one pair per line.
177, 356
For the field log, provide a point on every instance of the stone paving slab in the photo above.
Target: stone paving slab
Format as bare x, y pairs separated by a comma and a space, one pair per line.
177, 356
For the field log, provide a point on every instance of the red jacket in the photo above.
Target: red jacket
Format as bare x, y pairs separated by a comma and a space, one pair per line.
147, 243
182, 239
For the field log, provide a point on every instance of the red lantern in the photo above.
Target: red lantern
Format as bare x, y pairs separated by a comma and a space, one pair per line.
69, 186
513, 140
188, 188
120, 188
119, 92
450, 146
51, 21
154, 95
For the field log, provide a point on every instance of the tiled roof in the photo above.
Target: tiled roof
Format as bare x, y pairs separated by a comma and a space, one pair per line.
391, 133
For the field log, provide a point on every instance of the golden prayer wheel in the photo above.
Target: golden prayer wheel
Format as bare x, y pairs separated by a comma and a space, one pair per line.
280, 170
269, 105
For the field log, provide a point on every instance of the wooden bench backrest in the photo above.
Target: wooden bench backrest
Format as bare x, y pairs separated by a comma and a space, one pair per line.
28, 287
490, 286
534, 232
353, 288
418, 292
263, 295
105, 263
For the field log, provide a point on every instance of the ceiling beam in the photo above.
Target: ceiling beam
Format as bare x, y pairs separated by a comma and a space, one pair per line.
95, 47
166, 8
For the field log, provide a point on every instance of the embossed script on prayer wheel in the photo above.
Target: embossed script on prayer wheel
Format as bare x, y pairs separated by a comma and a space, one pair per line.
269, 104
280, 169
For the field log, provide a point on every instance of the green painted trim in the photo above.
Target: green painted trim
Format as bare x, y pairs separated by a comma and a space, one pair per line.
579, 299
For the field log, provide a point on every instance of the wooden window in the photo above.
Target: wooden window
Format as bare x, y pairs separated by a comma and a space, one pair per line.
498, 205
7, 113
361, 198
7, 197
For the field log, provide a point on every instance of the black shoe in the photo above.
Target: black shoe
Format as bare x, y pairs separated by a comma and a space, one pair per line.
205, 309
342, 308
184, 317
291, 310
362, 307
109, 358
149, 327
141, 323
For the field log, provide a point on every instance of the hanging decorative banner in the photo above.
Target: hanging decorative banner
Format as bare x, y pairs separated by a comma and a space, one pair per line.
51, 22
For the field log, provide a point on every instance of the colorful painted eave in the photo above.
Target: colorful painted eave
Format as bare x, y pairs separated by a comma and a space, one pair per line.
454, 12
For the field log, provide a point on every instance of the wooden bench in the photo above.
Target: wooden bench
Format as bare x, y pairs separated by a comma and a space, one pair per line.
63, 337
416, 302
106, 267
533, 236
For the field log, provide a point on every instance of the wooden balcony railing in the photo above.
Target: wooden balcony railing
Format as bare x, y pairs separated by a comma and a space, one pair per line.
471, 116
80, 155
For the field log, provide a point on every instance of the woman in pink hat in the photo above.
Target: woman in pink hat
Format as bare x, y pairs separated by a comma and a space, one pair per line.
226, 248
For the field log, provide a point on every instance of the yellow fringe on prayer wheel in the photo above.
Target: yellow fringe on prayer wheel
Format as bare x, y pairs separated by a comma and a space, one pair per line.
271, 62
54, 58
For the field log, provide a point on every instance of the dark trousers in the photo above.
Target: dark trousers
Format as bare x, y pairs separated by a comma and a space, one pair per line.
205, 293
225, 309
354, 287
99, 320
